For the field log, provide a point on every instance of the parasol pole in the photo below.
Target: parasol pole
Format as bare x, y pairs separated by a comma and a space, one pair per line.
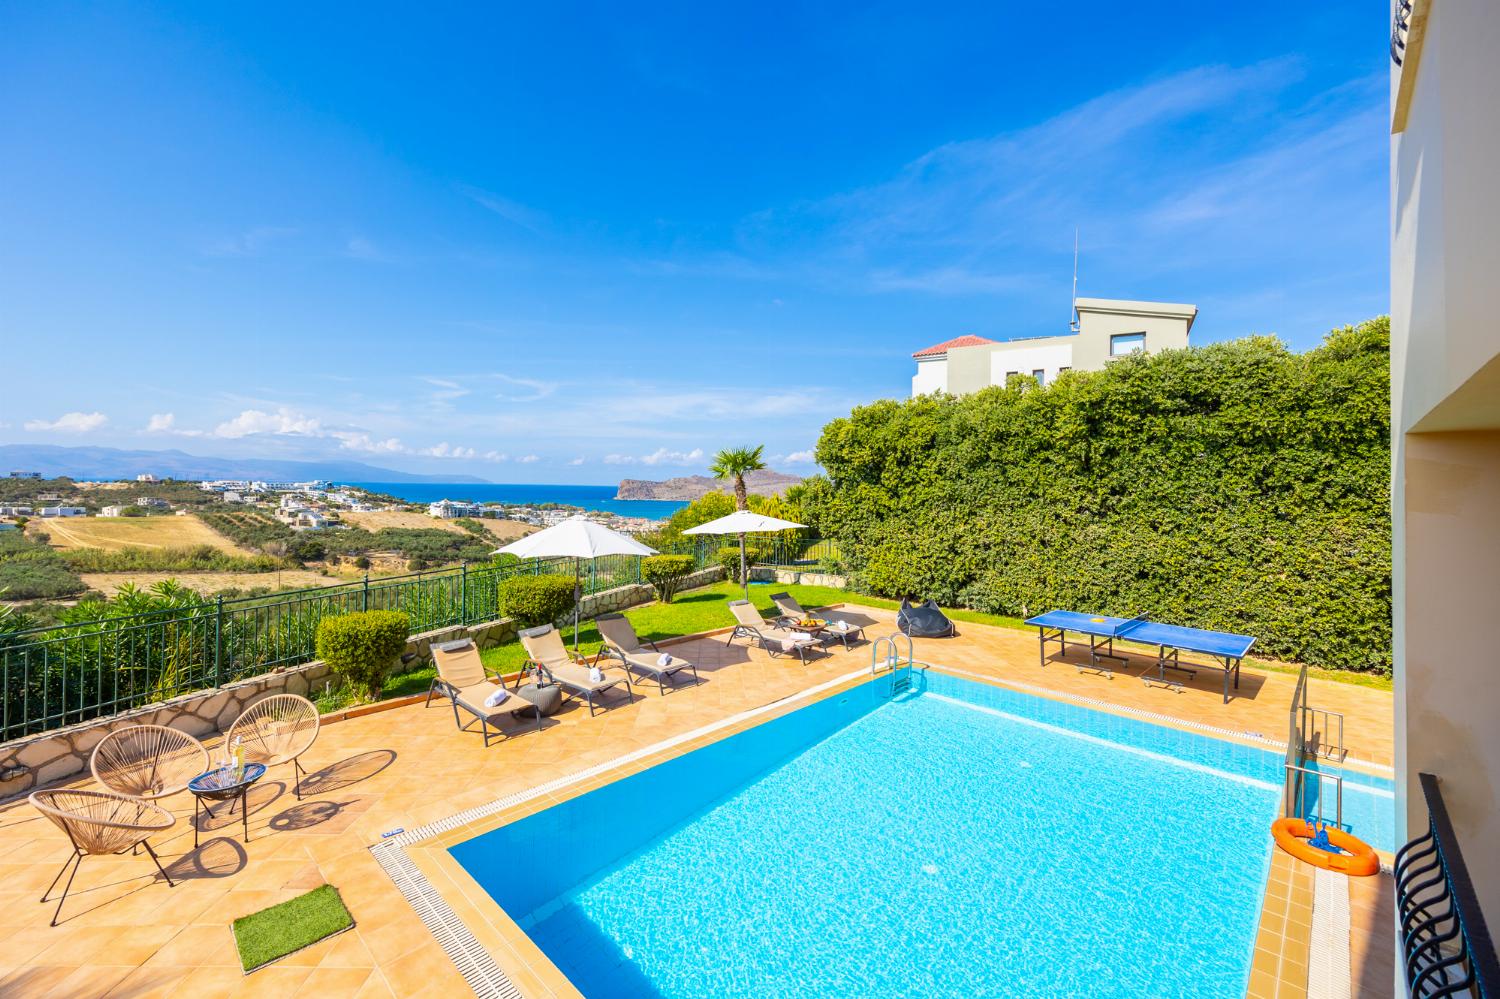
744, 570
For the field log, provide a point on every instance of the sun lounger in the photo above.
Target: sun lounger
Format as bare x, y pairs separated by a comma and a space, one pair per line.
840, 627
777, 641
462, 679
549, 659
640, 657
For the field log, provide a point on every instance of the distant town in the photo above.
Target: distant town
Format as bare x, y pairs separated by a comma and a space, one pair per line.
65, 541
302, 506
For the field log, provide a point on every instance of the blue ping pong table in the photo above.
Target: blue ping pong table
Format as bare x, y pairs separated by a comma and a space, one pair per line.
1225, 649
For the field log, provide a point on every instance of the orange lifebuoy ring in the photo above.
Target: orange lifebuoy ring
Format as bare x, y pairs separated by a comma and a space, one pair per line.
1358, 860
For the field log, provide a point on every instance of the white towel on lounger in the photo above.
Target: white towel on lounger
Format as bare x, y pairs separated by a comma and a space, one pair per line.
497, 698
596, 675
664, 660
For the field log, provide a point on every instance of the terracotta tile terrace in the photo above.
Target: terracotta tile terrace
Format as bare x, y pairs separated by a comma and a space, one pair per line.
125, 933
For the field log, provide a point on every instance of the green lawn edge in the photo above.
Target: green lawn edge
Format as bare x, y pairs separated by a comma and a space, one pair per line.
707, 609
287, 927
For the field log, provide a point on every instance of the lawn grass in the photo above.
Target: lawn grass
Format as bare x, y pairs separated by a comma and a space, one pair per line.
690, 612
337, 696
273, 933
707, 608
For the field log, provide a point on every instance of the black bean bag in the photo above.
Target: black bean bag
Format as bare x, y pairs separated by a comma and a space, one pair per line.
926, 621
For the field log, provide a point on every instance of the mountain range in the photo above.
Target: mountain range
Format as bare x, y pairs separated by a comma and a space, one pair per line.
689, 487
113, 463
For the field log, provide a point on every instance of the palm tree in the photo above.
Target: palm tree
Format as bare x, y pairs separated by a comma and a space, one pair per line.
736, 463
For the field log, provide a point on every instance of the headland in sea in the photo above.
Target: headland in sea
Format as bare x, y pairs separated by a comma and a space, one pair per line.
600, 498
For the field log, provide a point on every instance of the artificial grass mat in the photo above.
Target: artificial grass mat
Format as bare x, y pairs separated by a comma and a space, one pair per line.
270, 934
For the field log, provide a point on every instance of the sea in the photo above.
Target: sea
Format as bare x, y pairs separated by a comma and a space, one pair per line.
601, 498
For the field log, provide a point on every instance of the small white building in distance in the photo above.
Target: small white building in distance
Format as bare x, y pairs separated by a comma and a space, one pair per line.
145, 477
1107, 329
112, 511
450, 509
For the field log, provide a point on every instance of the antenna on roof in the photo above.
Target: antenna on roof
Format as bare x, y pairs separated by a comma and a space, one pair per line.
1073, 312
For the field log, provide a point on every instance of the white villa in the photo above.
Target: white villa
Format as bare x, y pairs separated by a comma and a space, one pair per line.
1107, 328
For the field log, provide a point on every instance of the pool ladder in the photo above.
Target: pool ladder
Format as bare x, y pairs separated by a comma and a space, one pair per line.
892, 662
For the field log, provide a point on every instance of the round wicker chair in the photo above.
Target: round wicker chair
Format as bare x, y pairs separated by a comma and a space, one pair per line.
277, 729
99, 823
147, 761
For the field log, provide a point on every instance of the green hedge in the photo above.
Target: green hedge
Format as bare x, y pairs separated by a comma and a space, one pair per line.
1237, 486
534, 600
665, 573
729, 558
360, 648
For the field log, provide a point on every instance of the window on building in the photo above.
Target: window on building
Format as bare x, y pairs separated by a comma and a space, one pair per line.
1040, 375
1061, 370
1121, 344
1010, 376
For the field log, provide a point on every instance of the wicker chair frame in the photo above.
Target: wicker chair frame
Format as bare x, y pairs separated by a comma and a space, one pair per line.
99, 823
147, 761
278, 729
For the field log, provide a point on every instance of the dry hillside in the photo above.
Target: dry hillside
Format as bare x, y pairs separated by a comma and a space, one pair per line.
116, 533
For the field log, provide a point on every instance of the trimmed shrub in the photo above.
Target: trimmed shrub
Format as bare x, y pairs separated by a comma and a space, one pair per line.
361, 647
729, 558
665, 573
1238, 486
534, 600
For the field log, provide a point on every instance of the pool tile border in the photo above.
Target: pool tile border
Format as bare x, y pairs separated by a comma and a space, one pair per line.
1155, 718
442, 893
474, 929
1283, 940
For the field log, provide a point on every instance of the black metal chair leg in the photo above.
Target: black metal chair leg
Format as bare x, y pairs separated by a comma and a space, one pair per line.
297, 774
157, 860
76, 855
64, 897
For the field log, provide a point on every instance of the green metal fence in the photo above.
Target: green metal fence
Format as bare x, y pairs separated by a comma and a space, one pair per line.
56, 676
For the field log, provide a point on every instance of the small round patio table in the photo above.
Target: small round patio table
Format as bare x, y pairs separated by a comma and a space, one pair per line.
545, 698
224, 784
813, 626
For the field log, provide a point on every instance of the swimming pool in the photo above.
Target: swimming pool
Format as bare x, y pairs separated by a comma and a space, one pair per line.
966, 840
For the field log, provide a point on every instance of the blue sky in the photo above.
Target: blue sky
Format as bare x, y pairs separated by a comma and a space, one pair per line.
570, 244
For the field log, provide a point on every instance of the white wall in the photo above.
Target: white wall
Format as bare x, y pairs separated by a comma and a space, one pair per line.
1445, 395
1025, 360
931, 376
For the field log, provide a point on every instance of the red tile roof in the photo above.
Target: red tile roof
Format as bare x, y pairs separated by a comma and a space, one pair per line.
967, 340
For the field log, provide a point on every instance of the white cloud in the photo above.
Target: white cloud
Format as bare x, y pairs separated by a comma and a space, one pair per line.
160, 423
258, 421
249, 242
527, 459
511, 211
446, 450
496, 456
576, 461
356, 440
661, 456
799, 458
70, 423
536, 389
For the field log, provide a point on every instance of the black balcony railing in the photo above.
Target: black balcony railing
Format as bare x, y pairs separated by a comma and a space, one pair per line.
1446, 948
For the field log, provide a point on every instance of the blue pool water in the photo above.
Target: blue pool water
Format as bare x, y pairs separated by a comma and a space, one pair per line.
969, 840
966, 841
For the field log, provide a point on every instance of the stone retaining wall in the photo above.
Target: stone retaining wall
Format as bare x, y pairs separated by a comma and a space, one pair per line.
775, 575
35, 761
